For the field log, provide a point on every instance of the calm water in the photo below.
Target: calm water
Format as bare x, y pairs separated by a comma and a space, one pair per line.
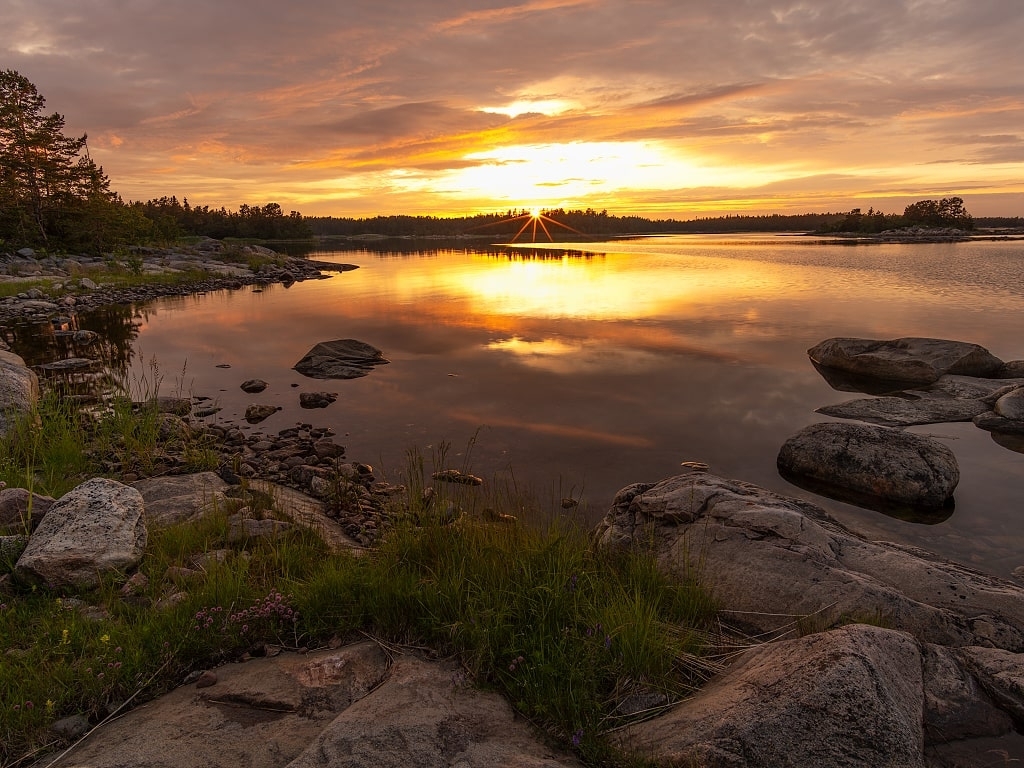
581, 371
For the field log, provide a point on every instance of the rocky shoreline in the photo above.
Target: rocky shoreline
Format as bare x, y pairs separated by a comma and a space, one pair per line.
72, 288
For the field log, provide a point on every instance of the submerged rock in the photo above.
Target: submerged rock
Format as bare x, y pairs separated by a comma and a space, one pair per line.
340, 359
873, 462
905, 412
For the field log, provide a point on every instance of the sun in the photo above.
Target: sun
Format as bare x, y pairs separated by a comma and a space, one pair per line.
535, 212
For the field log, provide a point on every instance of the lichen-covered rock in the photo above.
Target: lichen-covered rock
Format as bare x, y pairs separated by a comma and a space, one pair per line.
873, 462
93, 529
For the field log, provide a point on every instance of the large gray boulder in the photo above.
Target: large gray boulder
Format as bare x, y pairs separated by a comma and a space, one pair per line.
95, 528
340, 359
180, 498
771, 560
871, 463
1011, 405
851, 697
912, 360
19, 389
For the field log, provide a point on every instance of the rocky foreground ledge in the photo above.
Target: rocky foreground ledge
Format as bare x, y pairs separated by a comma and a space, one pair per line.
844, 652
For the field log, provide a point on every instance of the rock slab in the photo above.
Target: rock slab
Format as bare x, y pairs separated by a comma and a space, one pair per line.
179, 498
771, 560
95, 528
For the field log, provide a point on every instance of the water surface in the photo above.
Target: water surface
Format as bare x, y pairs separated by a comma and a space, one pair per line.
582, 368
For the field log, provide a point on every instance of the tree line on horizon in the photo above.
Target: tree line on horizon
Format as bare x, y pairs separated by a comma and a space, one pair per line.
54, 196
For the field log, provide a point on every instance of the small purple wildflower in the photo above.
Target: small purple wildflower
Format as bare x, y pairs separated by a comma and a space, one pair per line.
577, 737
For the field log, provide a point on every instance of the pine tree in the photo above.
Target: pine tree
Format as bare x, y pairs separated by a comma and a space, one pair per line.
51, 192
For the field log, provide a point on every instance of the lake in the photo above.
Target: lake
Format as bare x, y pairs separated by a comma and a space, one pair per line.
574, 369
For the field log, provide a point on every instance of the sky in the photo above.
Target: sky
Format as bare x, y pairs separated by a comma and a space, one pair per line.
662, 108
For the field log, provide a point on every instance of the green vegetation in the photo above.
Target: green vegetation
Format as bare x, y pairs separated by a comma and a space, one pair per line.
566, 632
53, 196
949, 212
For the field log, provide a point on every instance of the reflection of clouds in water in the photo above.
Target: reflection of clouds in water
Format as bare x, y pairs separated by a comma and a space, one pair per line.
557, 430
591, 356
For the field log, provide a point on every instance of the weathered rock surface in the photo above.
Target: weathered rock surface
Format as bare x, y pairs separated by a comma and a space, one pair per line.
771, 559
874, 462
340, 359
425, 715
20, 508
914, 360
260, 714
95, 528
19, 389
850, 697
179, 498
345, 707
904, 412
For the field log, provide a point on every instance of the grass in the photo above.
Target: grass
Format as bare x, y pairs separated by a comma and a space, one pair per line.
567, 632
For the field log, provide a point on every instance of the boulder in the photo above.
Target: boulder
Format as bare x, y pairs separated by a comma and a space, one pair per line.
864, 463
850, 697
19, 389
252, 386
21, 509
771, 560
905, 412
1011, 405
912, 360
95, 528
179, 498
340, 359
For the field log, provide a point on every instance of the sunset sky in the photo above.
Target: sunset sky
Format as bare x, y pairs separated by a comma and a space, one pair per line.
665, 108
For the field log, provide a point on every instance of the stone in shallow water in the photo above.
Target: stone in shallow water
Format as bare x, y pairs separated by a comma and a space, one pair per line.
911, 359
903, 412
340, 359
872, 462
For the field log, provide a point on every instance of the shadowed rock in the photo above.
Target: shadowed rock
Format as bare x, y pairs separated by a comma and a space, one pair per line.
904, 412
19, 389
913, 360
888, 464
340, 359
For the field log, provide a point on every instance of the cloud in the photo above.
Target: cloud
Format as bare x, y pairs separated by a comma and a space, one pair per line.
274, 99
